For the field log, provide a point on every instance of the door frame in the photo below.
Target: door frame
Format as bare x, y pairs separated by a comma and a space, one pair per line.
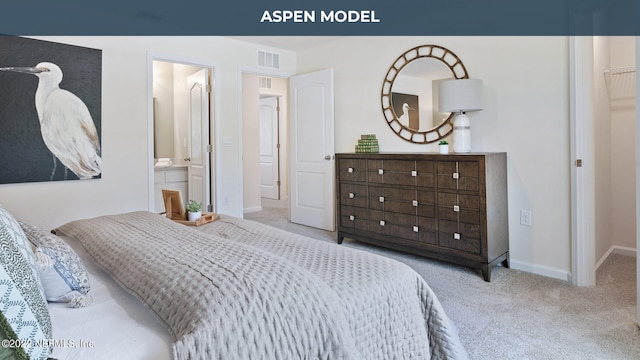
277, 138
259, 71
583, 241
213, 125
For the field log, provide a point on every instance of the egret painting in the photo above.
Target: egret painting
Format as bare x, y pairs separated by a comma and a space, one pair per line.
50, 111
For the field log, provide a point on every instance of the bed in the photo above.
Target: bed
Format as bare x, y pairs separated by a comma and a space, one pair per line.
237, 289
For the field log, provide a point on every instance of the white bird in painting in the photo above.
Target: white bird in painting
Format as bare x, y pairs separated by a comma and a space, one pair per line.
65, 122
404, 118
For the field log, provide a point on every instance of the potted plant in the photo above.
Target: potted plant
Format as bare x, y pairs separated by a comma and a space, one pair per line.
444, 146
194, 209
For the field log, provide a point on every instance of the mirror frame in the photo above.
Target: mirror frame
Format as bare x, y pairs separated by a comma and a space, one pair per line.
459, 71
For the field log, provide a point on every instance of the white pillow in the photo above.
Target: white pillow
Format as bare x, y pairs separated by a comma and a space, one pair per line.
62, 273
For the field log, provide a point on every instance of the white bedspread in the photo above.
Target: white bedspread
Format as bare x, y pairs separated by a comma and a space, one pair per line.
117, 326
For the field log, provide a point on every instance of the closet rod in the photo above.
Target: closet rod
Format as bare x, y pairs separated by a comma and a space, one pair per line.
622, 70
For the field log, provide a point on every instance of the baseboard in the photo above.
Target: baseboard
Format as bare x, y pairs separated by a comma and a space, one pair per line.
540, 270
615, 249
252, 209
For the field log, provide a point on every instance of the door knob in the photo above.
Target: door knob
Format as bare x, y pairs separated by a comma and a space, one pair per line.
187, 159
327, 157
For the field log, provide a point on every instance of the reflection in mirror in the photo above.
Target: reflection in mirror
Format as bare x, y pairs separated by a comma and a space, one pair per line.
409, 93
414, 94
171, 109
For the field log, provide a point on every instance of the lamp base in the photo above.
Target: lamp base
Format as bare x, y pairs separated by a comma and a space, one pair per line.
461, 134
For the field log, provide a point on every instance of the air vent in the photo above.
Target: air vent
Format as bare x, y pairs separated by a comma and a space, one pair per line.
265, 82
268, 59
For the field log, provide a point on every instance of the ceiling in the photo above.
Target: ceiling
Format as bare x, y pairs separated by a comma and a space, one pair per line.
292, 43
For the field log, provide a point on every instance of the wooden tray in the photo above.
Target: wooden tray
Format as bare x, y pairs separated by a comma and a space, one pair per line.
204, 219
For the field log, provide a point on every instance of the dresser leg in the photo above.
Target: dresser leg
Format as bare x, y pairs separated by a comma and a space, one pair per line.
505, 262
486, 272
340, 237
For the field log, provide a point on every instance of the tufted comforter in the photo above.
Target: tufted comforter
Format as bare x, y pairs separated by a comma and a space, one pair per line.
236, 289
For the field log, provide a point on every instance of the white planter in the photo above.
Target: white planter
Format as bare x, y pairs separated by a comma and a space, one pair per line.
444, 149
193, 216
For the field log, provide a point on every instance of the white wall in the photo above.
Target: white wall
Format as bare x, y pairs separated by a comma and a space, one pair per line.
602, 142
623, 143
126, 129
526, 114
251, 142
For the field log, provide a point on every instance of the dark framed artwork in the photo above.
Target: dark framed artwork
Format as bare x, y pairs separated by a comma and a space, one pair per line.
55, 135
406, 109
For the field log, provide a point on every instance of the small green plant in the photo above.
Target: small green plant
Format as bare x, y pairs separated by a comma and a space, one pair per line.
443, 142
193, 206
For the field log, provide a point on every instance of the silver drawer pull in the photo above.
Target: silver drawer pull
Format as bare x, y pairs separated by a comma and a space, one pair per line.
381, 199
415, 202
350, 170
456, 208
380, 171
415, 229
382, 222
352, 195
456, 236
351, 217
456, 175
414, 173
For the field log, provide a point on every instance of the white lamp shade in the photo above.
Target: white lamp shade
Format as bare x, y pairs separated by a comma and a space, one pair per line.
460, 95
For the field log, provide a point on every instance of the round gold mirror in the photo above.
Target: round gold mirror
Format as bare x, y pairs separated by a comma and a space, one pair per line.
410, 93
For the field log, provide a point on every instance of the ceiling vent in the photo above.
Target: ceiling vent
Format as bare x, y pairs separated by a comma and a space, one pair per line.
268, 59
265, 82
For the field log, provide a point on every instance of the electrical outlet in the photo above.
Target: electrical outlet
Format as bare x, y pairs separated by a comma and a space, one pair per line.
525, 217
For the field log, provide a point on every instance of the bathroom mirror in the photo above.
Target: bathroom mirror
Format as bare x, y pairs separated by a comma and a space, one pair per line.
409, 93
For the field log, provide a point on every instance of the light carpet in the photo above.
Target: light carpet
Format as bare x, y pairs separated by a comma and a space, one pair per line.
518, 315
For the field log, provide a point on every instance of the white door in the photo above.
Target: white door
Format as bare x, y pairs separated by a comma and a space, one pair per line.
312, 196
199, 144
269, 149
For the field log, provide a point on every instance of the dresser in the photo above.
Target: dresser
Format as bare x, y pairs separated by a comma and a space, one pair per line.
450, 207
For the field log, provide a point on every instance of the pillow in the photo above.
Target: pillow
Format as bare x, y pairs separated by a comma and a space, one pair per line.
24, 314
62, 274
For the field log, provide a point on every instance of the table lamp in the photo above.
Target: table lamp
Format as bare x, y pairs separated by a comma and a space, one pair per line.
460, 96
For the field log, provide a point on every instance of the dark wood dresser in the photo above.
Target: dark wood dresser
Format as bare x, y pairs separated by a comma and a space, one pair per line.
450, 207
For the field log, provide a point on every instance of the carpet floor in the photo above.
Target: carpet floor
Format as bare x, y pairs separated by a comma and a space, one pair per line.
518, 315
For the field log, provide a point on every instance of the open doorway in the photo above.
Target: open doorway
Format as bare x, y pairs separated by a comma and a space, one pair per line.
182, 123
265, 144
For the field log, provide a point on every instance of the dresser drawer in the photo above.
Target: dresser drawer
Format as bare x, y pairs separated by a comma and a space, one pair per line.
353, 170
390, 223
426, 174
400, 172
353, 195
468, 216
459, 236
458, 175
353, 217
393, 199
